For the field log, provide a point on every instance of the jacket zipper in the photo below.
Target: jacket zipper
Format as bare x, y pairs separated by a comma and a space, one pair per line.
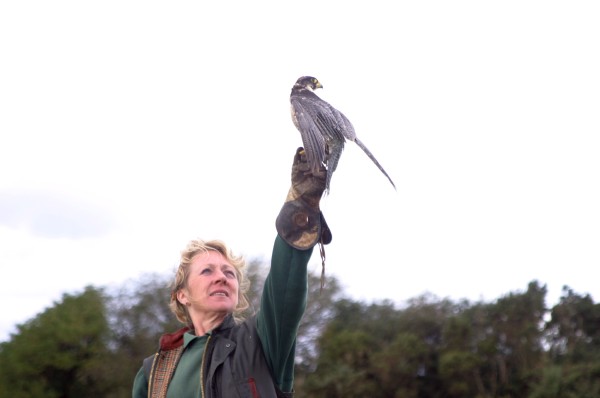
202, 366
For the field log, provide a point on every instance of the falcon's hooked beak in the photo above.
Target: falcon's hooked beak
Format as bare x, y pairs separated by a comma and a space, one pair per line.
318, 85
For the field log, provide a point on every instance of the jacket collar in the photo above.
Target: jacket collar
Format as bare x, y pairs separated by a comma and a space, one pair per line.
169, 341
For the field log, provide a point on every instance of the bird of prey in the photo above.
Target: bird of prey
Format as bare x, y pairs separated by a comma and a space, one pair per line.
323, 128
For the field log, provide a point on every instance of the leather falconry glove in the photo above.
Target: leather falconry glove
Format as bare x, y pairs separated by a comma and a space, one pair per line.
300, 222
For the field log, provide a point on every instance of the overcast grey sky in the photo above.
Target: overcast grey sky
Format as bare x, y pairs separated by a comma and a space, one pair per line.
129, 127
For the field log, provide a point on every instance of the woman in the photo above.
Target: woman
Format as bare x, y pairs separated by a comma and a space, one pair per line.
217, 354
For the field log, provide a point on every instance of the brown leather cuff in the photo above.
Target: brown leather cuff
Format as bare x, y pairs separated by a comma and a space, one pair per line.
300, 225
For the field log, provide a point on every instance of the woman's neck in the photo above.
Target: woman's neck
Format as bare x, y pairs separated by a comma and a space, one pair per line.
206, 323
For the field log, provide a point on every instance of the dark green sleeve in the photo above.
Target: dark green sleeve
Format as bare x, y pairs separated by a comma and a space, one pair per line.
282, 306
140, 385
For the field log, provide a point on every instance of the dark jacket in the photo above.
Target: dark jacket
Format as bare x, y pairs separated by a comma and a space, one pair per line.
237, 365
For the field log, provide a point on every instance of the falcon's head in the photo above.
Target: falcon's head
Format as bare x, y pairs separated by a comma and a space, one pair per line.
308, 83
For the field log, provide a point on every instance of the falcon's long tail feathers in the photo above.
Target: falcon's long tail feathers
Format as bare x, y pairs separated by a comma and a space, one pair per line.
370, 155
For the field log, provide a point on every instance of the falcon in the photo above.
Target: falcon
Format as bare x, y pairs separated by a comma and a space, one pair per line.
323, 129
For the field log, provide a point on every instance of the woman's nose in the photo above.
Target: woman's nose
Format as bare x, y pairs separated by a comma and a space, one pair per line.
221, 277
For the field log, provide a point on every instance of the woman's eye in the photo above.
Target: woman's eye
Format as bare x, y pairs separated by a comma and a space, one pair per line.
205, 271
230, 274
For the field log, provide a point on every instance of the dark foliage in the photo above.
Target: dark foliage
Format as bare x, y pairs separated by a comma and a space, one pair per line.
92, 343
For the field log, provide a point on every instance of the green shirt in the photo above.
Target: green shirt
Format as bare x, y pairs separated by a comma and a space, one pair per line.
282, 306
186, 380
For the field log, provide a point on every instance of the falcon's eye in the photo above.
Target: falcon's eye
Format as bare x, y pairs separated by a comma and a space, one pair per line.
314, 81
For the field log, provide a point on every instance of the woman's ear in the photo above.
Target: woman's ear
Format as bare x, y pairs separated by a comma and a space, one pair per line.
182, 297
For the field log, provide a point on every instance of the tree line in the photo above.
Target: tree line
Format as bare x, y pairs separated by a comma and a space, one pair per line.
92, 343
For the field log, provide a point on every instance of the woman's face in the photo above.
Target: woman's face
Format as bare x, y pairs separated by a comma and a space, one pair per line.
212, 285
